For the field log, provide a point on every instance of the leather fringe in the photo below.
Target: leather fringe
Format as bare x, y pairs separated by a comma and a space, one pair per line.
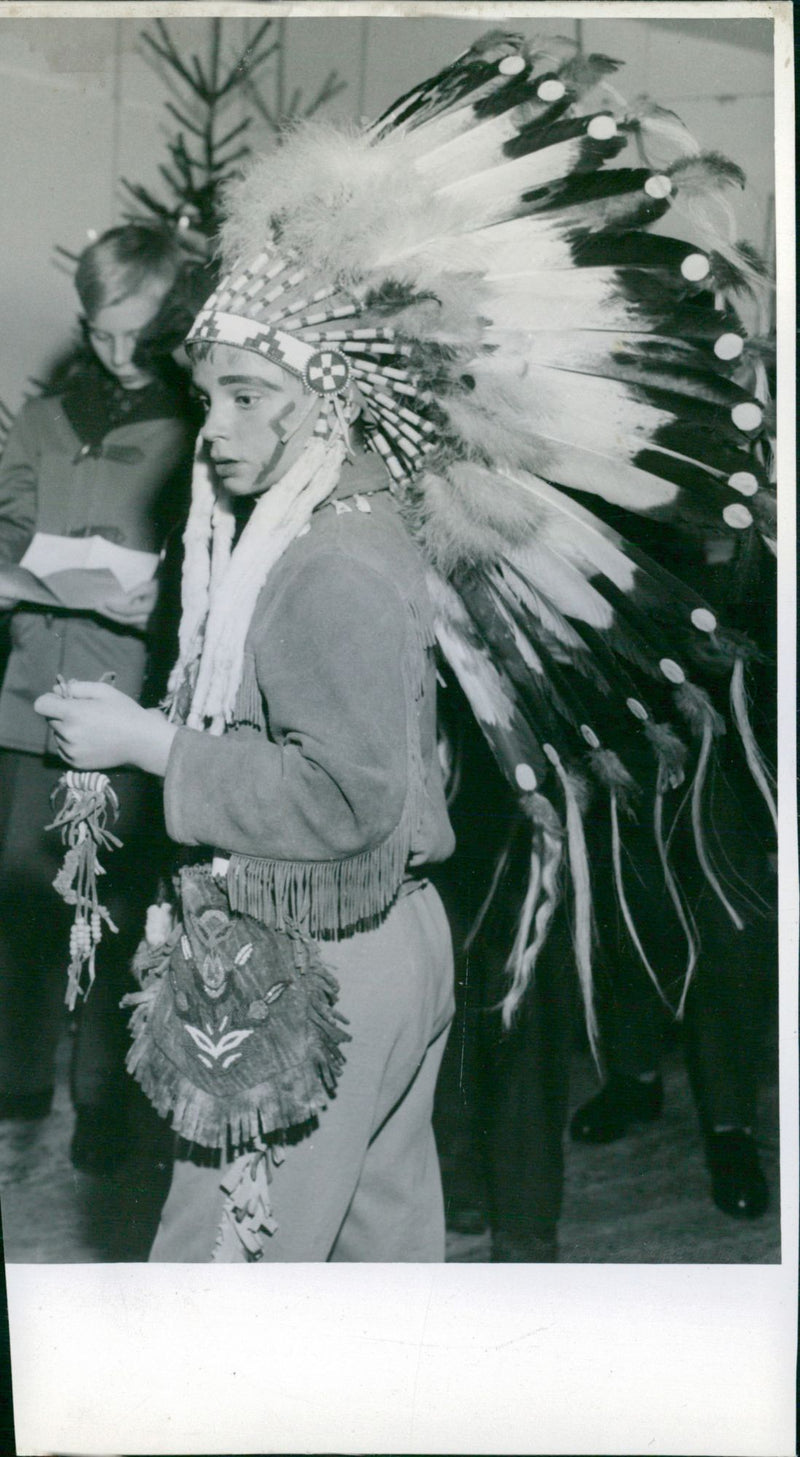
336, 897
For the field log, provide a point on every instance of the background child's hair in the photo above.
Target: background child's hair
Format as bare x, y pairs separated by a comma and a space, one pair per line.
121, 262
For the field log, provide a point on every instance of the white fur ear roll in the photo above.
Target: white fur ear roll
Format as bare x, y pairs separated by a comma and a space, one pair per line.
196, 572
278, 518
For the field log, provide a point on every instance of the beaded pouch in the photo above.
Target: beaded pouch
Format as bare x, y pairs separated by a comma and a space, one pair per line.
235, 1032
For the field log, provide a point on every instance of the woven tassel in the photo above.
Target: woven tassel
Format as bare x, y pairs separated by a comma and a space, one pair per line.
539, 905
582, 894
700, 714
755, 759
88, 803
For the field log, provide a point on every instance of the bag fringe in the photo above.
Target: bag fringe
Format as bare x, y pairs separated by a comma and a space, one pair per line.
291, 1097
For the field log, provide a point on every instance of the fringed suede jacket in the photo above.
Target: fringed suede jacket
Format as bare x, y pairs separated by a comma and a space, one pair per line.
328, 784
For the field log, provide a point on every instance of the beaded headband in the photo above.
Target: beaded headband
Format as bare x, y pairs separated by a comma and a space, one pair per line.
263, 307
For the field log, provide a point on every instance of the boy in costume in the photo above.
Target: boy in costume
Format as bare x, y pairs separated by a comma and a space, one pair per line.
106, 455
534, 370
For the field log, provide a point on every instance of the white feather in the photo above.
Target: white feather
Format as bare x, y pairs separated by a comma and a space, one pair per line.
601, 469
586, 408
470, 152
564, 584
553, 623
572, 534
540, 299
494, 194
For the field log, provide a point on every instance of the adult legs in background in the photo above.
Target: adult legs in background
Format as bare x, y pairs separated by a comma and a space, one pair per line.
364, 1185
501, 1106
726, 1023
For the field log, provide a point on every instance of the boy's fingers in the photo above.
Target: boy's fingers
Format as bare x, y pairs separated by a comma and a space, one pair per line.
78, 689
50, 705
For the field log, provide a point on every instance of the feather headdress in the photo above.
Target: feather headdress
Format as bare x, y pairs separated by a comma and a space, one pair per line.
557, 392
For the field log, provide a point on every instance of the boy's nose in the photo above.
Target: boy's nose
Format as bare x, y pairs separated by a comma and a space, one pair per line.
214, 425
121, 351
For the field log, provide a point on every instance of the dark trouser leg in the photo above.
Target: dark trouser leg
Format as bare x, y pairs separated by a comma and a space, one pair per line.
34, 927
502, 1097
527, 1102
728, 1020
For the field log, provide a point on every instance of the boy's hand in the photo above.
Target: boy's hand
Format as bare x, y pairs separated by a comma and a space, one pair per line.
97, 727
131, 609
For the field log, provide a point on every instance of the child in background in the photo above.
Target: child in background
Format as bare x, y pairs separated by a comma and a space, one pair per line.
106, 456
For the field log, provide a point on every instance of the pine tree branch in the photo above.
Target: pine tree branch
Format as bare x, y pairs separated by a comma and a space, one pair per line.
331, 86
245, 63
184, 163
234, 132
170, 179
184, 120
254, 95
167, 52
246, 66
142, 195
226, 162
202, 85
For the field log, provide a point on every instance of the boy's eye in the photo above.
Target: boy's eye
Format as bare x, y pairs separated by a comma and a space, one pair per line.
245, 398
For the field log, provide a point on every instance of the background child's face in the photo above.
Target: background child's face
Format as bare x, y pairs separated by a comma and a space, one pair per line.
114, 333
258, 417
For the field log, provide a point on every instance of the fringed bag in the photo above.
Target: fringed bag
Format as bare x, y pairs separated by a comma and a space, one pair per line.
235, 1032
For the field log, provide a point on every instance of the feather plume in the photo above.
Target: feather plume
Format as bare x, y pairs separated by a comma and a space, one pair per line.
561, 395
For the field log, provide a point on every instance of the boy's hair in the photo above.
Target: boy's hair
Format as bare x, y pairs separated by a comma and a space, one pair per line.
121, 262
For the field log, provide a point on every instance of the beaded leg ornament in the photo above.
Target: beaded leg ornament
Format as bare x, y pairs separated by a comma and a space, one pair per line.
247, 1211
85, 804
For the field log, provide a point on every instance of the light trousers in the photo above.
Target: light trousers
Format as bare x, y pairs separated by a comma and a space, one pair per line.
364, 1185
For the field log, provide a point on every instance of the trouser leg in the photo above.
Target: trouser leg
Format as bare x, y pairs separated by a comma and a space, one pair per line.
397, 1211
34, 927
396, 992
726, 1021
528, 1098
502, 1100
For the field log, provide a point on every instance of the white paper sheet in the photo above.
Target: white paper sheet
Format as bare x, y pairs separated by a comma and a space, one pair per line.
48, 554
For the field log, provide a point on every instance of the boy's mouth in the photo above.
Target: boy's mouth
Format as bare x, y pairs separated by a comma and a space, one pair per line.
225, 467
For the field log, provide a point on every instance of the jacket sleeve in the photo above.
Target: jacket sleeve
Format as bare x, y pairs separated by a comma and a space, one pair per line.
18, 477
331, 779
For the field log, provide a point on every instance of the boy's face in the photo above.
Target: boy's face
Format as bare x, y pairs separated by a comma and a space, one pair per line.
258, 417
114, 333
